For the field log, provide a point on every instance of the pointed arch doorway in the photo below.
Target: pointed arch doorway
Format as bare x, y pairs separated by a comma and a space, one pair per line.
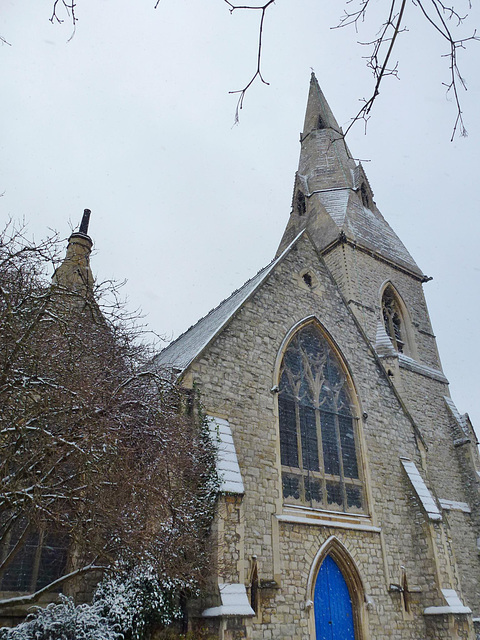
333, 608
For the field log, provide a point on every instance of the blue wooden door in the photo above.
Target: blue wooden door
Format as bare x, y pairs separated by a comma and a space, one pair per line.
332, 604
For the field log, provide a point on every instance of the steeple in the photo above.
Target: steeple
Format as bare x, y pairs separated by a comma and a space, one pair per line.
332, 197
74, 273
318, 114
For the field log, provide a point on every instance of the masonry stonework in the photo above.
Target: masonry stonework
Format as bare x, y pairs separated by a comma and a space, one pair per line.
409, 566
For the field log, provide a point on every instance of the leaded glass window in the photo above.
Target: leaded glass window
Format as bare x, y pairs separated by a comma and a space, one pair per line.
392, 319
41, 559
318, 446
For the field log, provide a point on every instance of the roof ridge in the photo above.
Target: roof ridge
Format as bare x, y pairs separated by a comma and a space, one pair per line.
192, 341
218, 305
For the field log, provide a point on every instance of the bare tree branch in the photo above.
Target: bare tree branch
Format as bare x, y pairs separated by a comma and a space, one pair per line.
258, 72
380, 68
440, 24
31, 598
383, 46
438, 14
78, 394
69, 7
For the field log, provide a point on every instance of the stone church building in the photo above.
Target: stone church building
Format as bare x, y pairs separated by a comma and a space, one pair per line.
350, 481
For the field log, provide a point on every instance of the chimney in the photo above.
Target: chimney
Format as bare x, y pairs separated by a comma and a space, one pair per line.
74, 273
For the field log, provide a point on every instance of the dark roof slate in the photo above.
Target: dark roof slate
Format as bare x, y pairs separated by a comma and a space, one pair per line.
182, 351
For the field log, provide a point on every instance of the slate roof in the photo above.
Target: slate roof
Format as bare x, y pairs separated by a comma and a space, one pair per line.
461, 420
366, 226
180, 353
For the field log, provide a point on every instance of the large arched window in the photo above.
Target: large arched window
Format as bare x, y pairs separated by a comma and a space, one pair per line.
393, 319
318, 448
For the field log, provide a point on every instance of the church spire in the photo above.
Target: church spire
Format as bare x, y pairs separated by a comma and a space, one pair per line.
318, 114
332, 197
74, 273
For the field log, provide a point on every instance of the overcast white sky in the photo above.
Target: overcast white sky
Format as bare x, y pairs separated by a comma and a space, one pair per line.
132, 119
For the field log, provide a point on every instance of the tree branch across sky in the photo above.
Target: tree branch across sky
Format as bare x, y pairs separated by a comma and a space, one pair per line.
442, 17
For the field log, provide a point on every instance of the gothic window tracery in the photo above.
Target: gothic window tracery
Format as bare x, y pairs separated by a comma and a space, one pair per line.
392, 319
319, 453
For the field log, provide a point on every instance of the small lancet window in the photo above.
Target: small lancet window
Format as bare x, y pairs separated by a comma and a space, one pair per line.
300, 203
365, 196
320, 123
392, 319
318, 440
254, 592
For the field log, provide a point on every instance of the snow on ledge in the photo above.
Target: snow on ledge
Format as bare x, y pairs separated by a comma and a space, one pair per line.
412, 365
319, 522
383, 344
228, 469
234, 602
423, 493
454, 505
454, 605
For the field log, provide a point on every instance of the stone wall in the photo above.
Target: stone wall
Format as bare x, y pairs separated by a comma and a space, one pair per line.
235, 375
450, 475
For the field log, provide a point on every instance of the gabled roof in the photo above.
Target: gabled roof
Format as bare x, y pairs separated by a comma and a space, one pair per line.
180, 353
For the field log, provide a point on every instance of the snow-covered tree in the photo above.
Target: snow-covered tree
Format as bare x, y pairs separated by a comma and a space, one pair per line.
65, 620
101, 458
132, 604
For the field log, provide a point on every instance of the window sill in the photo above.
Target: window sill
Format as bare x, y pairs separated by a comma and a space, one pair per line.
302, 515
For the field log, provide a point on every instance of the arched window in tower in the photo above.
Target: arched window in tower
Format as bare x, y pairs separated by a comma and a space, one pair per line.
300, 203
392, 319
365, 196
318, 439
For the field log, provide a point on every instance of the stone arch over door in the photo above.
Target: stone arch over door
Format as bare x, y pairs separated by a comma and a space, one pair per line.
336, 595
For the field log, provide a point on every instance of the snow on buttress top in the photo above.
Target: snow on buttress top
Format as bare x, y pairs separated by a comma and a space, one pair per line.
228, 469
